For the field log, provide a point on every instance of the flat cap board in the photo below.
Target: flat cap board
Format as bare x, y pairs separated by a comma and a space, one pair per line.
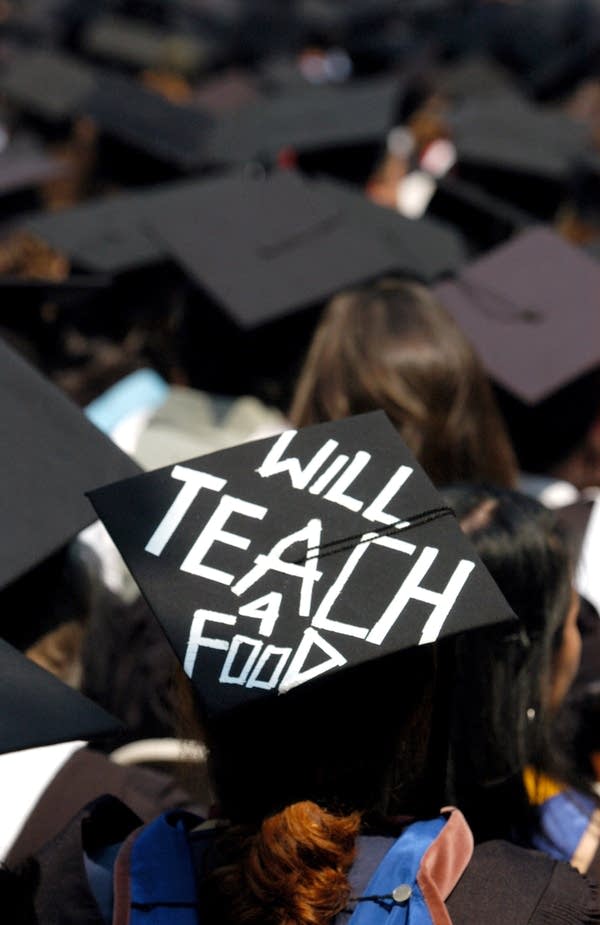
531, 308
49, 456
24, 165
144, 120
475, 76
484, 219
507, 133
141, 44
110, 235
424, 248
37, 709
334, 18
47, 84
102, 235
264, 248
280, 561
308, 120
201, 223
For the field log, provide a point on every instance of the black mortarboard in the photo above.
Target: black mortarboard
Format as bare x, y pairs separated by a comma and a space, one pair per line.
141, 44
485, 220
530, 307
474, 76
517, 150
331, 20
37, 709
24, 165
50, 455
310, 121
424, 248
293, 242
286, 559
103, 235
511, 134
47, 84
147, 122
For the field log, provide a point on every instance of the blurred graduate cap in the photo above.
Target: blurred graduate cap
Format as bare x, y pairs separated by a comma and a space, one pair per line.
140, 44
25, 165
37, 709
149, 124
530, 308
338, 127
47, 84
24, 168
102, 235
516, 150
285, 560
293, 243
272, 224
484, 220
474, 76
50, 455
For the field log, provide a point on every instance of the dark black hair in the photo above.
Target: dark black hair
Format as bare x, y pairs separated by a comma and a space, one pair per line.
506, 672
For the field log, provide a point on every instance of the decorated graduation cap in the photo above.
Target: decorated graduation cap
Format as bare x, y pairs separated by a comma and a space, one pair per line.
37, 709
530, 307
50, 455
285, 560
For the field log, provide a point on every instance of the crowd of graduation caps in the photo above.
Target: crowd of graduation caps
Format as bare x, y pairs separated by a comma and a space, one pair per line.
183, 187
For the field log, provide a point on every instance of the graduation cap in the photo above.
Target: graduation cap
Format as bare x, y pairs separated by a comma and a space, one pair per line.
475, 75
484, 220
288, 559
424, 248
47, 84
24, 165
530, 307
102, 236
309, 121
50, 455
138, 44
333, 21
294, 243
519, 151
142, 120
511, 134
37, 709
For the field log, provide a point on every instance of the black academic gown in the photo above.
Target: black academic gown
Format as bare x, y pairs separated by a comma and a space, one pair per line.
502, 884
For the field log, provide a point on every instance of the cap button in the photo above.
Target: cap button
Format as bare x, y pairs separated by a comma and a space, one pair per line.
402, 893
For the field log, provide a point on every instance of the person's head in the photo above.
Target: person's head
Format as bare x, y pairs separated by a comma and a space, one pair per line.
529, 669
391, 345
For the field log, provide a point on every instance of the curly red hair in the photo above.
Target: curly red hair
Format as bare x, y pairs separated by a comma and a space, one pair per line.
293, 871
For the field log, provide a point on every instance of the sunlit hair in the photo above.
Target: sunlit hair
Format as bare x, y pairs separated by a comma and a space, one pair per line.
392, 346
293, 871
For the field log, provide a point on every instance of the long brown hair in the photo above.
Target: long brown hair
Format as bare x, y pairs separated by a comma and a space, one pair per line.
392, 346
